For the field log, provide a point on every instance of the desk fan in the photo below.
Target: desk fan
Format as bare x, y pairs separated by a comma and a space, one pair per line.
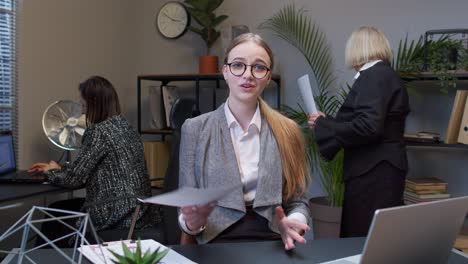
64, 125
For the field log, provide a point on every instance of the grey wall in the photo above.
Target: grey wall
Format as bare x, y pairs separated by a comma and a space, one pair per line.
61, 42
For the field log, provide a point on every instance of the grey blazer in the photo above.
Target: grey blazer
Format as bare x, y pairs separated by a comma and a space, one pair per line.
207, 159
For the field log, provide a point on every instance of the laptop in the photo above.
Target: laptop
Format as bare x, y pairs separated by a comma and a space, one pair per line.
417, 233
8, 170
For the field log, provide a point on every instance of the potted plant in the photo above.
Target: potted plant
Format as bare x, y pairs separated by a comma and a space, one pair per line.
203, 12
294, 26
440, 57
137, 257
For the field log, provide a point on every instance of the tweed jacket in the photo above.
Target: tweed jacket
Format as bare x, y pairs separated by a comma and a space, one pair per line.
207, 159
112, 167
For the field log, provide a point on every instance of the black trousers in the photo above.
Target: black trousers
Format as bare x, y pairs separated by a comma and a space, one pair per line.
380, 187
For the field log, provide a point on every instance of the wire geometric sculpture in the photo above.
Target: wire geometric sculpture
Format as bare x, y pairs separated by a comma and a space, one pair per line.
27, 224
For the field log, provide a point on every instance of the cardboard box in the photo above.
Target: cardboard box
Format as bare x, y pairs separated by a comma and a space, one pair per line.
157, 156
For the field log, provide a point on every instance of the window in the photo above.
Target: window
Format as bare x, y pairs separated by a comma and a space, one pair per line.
8, 80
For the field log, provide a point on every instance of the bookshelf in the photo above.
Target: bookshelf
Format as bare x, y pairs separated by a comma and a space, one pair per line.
427, 77
435, 145
431, 111
430, 76
165, 79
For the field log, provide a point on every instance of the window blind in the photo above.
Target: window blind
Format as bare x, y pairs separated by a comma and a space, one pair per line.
8, 75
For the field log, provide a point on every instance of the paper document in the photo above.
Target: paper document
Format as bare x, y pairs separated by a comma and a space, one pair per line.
101, 254
307, 96
187, 196
348, 260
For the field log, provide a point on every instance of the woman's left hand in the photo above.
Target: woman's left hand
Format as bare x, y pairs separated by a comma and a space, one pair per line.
41, 167
312, 119
290, 229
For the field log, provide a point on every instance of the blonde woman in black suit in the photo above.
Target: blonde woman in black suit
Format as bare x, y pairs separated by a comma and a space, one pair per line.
369, 126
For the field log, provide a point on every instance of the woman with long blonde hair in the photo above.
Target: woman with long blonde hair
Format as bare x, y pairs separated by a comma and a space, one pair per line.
246, 143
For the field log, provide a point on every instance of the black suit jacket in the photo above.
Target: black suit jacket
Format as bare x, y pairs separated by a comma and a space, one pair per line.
370, 123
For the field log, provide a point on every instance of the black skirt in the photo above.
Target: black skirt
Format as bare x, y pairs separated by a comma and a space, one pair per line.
380, 187
252, 227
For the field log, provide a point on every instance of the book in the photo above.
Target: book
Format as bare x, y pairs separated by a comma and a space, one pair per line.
456, 117
434, 188
408, 199
428, 196
443, 190
463, 130
427, 184
101, 253
423, 136
426, 181
157, 119
170, 95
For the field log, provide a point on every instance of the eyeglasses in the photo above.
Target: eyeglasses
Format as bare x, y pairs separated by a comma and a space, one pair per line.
238, 69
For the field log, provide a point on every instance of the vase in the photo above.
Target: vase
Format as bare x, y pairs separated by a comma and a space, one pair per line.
326, 219
208, 64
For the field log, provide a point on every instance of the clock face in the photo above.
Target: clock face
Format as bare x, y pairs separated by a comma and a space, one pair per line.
173, 20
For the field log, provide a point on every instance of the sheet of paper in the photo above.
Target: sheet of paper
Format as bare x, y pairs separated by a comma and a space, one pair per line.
100, 254
187, 196
355, 259
306, 92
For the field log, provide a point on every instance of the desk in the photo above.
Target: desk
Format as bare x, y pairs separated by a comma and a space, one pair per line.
15, 191
314, 251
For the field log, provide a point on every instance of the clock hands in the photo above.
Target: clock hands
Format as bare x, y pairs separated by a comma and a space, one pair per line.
171, 18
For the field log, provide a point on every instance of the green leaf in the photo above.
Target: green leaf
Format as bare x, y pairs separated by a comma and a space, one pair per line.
202, 11
218, 20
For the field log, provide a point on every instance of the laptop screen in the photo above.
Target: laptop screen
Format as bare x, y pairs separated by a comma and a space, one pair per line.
7, 154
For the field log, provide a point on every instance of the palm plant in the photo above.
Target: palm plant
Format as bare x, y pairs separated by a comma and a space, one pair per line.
295, 27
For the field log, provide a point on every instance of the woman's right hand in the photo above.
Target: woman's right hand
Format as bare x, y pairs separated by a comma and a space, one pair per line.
41, 167
196, 216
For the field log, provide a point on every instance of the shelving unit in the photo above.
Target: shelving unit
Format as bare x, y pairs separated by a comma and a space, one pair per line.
436, 145
431, 111
430, 76
197, 78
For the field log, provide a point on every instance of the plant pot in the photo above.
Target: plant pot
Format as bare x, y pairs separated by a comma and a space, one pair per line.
326, 219
208, 64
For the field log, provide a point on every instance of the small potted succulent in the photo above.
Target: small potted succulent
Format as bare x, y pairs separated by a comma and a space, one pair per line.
137, 257
202, 11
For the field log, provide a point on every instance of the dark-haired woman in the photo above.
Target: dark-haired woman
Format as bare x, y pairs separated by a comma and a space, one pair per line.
110, 163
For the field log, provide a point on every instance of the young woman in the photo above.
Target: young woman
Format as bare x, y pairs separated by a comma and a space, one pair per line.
369, 126
246, 143
110, 163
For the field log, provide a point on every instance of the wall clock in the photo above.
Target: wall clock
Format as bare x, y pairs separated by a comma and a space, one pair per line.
172, 20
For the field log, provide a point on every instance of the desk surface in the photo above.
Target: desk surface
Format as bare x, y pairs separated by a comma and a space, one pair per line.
315, 251
16, 191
